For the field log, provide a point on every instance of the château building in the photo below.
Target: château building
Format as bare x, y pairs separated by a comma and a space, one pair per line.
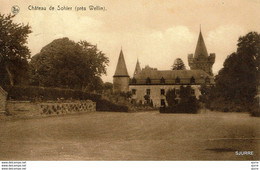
155, 83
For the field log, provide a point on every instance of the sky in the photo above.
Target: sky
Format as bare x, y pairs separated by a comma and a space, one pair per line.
154, 31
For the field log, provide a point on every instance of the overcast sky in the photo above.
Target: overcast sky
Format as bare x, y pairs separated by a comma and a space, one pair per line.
154, 31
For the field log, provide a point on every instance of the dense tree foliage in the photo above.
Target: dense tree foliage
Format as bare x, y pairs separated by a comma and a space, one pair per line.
96, 84
184, 102
171, 97
107, 86
178, 65
65, 63
13, 51
205, 91
236, 82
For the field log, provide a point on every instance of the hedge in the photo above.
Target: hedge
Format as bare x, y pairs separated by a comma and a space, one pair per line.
189, 106
178, 109
35, 93
255, 108
105, 105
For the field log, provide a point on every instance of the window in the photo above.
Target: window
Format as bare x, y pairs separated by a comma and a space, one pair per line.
134, 81
148, 81
133, 101
162, 81
207, 80
177, 80
133, 91
192, 80
148, 91
177, 91
162, 102
162, 91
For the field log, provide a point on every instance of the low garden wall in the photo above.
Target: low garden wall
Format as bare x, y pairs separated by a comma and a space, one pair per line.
49, 108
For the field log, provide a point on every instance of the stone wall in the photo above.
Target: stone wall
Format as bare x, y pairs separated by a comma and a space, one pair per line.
49, 108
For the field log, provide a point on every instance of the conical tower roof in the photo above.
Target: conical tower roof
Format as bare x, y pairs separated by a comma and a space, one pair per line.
201, 49
137, 68
121, 69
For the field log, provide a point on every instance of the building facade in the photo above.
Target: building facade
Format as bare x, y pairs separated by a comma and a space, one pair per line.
155, 83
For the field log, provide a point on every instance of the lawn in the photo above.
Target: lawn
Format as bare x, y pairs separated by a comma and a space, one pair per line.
131, 136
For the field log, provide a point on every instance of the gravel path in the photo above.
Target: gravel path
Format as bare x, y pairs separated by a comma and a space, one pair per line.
131, 136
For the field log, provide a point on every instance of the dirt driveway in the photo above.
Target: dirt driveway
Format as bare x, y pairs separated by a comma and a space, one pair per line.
132, 136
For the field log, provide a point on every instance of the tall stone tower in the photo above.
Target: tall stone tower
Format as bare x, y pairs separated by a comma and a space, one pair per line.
121, 77
201, 60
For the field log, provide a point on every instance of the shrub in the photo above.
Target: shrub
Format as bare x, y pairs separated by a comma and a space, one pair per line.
255, 109
188, 102
223, 105
189, 107
33, 93
105, 105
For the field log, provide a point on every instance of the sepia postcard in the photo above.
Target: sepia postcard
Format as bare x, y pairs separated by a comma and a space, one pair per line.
133, 80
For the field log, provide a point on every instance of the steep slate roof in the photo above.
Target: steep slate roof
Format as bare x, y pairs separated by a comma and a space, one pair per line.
170, 76
137, 68
201, 49
121, 69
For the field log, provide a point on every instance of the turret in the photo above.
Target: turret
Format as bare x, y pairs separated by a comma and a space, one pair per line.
121, 77
201, 60
137, 68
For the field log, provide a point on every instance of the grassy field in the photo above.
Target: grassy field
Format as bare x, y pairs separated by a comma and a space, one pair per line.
131, 136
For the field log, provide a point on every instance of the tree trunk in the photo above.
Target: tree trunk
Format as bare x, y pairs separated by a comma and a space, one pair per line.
11, 79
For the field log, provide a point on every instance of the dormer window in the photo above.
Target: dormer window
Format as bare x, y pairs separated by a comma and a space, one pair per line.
162, 81
192, 80
148, 81
177, 80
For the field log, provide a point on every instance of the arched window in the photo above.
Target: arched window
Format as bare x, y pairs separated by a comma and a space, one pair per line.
207, 80
148, 81
162, 81
133, 81
177, 80
192, 80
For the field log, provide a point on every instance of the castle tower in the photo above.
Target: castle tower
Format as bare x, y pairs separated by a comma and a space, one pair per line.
201, 60
121, 77
137, 68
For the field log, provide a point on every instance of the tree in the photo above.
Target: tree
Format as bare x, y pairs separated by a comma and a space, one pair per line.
96, 85
205, 91
13, 50
236, 82
178, 65
171, 97
65, 63
107, 86
187, 103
